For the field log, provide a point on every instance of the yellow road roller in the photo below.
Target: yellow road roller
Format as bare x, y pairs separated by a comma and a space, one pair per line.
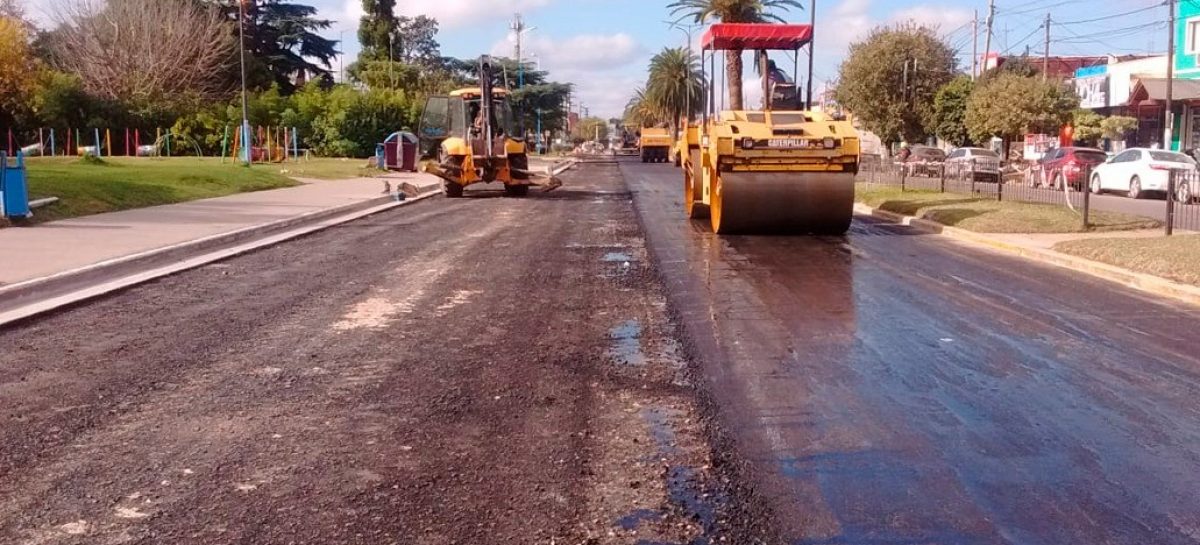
782, 169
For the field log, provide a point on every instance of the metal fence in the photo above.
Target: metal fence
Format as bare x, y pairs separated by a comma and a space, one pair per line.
1183, 201
1070, 187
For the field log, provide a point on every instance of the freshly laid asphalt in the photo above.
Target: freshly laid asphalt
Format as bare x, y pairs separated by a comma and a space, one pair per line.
495, 370
889, 387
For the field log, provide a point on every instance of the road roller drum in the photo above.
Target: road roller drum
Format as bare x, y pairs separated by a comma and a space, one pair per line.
782, 203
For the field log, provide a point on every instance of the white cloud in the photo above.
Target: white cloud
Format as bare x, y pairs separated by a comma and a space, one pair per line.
941, 18
605, 68
457, 13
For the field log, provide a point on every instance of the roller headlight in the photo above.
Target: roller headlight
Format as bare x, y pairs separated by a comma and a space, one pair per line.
829, 143
747, 143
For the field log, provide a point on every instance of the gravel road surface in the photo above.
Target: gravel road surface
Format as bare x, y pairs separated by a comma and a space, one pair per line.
479, 370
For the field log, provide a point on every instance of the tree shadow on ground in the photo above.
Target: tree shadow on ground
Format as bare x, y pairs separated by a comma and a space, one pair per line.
952, 216
910, 208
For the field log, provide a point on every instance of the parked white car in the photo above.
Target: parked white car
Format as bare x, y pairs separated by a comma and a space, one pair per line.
982, 163
1138, 171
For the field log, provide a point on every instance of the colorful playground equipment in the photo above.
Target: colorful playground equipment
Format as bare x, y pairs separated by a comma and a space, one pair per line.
14, 189
398, 151
267, 144
270, 145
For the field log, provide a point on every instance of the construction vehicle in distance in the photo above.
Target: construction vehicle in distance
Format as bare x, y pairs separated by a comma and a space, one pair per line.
472, 135
782, 169
628, 140
654, 143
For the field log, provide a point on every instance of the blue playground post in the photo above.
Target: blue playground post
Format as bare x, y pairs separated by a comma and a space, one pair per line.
14, 193
246, 142
52, 141
97, 134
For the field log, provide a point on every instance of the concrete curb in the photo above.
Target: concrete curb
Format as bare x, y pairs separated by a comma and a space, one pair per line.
1143, 282
40, 295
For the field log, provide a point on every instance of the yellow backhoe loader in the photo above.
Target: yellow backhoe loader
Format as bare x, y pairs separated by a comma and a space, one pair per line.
472, 135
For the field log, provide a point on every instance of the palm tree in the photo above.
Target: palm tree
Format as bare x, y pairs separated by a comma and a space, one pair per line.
733, 11
675, 86
640, 110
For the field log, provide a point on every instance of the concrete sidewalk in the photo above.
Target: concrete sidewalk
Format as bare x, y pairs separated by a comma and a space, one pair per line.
60, 246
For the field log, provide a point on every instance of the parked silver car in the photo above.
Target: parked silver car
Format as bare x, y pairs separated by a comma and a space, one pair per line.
981, 163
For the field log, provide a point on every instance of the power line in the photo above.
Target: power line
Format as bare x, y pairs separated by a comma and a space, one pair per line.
1113, 16
1042, 8
1022, 40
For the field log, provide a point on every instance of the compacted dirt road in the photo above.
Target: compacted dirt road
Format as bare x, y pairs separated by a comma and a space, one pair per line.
481, 370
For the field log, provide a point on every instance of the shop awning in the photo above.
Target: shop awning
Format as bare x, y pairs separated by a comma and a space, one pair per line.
749, 36
1155, 89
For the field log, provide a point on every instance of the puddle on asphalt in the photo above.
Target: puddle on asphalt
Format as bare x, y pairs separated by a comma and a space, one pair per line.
626, 340
617, 257
659, 420
636, 518
684, 488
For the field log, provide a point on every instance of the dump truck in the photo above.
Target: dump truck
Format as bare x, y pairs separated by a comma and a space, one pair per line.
784, 168
654, 143
473, 138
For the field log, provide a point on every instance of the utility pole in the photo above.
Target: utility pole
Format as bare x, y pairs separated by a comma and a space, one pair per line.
975, 46
518, 27
1046, 55
812, 26
1169, 126
341, 56
987, 41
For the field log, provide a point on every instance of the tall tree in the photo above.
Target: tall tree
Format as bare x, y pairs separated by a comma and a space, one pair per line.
640, 110
733, 11
416, 41
18, 71
146, 52
1010, 105
888, 81
950, 111
282, 39
375, 29
675, 84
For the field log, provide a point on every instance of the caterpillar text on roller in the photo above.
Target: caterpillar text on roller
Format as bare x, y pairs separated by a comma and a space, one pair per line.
783, 169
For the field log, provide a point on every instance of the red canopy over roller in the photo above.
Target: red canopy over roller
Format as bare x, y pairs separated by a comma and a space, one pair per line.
757, 36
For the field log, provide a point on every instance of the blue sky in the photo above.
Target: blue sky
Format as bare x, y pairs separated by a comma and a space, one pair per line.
603, 46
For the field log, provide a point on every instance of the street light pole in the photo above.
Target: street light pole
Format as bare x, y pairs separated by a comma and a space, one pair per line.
245, 101
687, 31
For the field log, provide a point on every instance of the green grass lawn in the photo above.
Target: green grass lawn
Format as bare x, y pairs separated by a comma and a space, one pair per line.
986, 215
87, 187
327, 168
1176, 257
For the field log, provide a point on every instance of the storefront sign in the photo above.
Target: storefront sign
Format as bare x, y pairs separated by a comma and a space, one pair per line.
1092, 91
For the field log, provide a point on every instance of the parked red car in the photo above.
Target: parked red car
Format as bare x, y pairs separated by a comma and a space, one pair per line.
1069, 165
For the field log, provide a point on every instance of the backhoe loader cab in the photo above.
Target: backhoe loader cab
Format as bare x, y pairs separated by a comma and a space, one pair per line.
473, 137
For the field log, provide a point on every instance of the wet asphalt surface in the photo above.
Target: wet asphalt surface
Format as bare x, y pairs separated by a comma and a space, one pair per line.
894, 388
